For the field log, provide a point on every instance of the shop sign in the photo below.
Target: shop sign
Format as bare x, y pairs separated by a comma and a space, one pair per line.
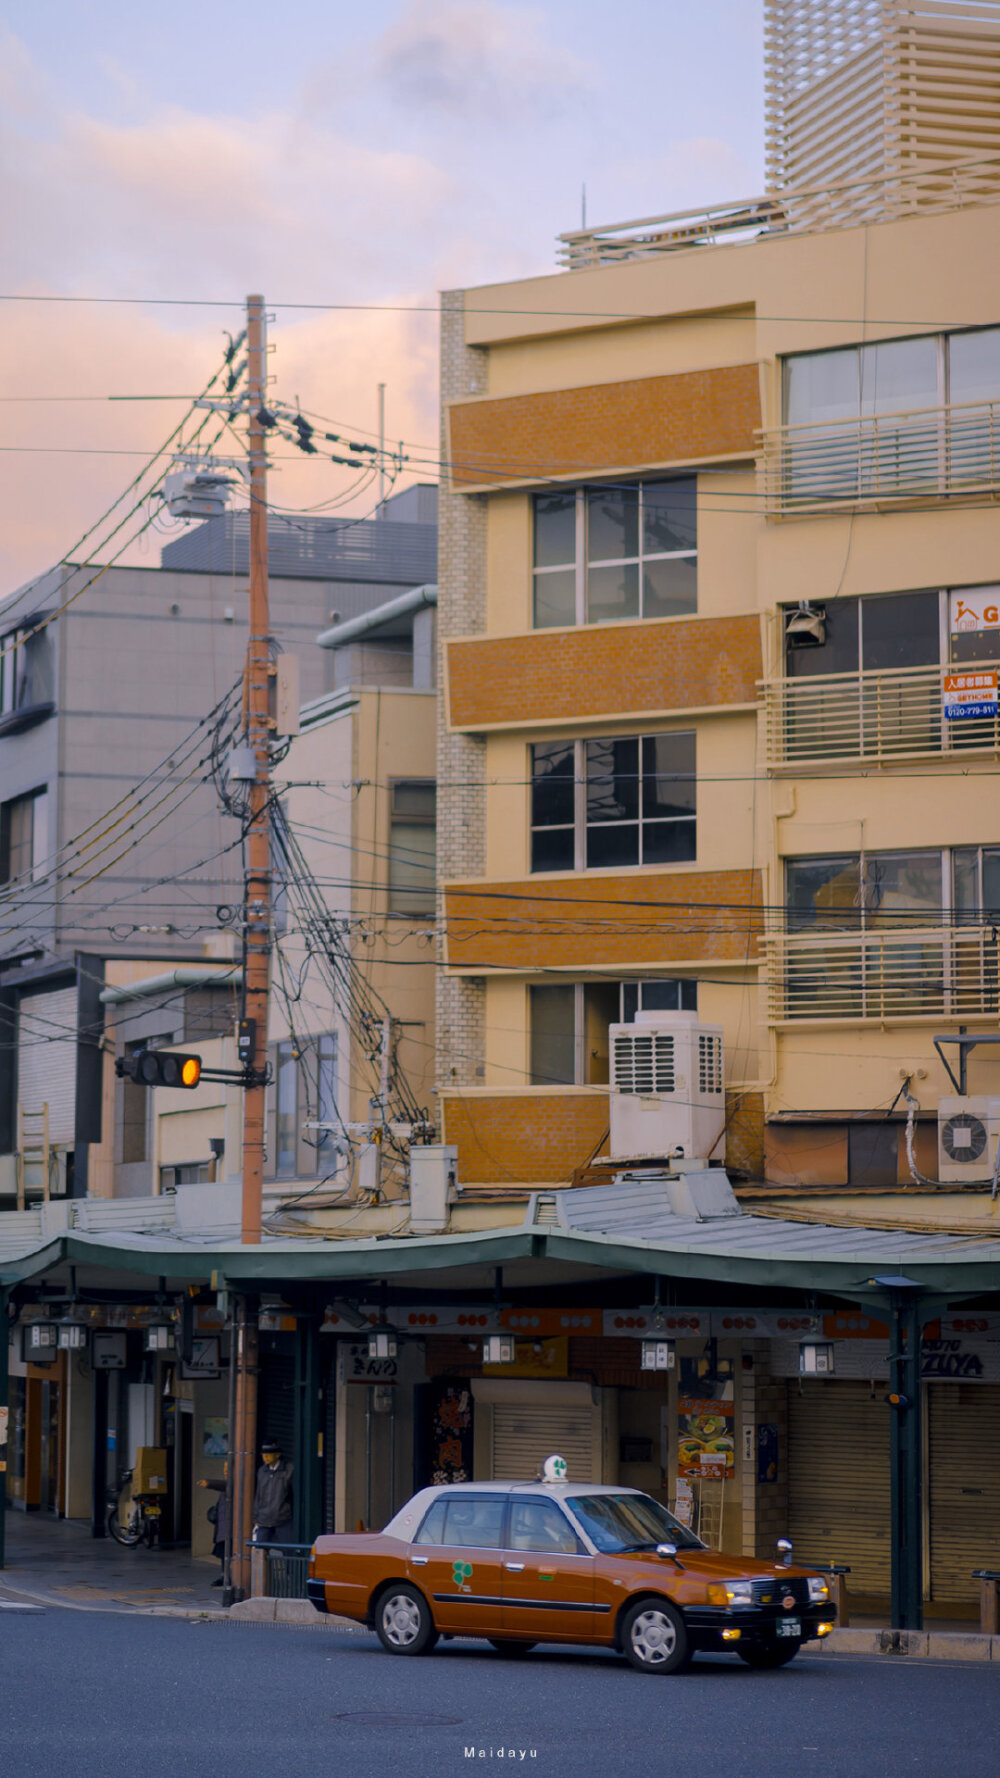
969, 695
204, 1359
975, 611
950, 1361
673, 1324
706, 1419
534, 1358
359, 1368
451, 1432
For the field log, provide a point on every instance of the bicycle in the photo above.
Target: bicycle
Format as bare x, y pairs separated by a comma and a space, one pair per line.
133, 1518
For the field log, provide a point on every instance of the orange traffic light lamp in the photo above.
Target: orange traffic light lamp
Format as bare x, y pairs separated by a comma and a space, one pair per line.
896, 1400
160, 1068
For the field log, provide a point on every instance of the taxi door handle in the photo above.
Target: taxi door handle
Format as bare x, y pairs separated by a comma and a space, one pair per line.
515, 1567
419, 1561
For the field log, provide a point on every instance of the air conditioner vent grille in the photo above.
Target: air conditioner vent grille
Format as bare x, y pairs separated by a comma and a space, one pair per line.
709, 1064
644, 1062
963, 1138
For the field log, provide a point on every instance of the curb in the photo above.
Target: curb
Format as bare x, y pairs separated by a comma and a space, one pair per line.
934, 1645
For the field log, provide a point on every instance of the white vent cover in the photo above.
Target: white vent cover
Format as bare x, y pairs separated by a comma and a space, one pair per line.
667, 1083
968, 1133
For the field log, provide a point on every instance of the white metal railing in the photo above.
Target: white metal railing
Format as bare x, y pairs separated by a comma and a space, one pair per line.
876, 716
910, 973
871, 459
943, 186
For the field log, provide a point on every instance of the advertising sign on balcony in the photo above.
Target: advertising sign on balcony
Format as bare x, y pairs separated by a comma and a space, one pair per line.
975, 609
967, 695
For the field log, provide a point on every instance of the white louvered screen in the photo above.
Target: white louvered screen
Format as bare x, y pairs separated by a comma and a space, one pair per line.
838, 1480
524, 1435
644, 1062
709, 1063
963, 1421
46, 1059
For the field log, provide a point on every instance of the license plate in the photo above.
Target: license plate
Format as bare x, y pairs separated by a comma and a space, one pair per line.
789, 1626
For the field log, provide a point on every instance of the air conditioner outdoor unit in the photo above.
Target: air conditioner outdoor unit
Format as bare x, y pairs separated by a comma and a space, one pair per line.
667, 1093
968, 1133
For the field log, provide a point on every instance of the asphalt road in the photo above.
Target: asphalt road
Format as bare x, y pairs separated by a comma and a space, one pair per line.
95, 1695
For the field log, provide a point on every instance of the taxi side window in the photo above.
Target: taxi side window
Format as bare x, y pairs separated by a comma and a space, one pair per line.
432, 1529
473, 1521
540, 1525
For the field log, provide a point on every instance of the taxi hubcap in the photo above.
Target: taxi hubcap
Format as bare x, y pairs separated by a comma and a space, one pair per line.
653, 1638
401, 1620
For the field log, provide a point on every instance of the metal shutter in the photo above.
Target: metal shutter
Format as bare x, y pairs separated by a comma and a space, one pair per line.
963, 1476
838, 1479
524, 1435
46, 1059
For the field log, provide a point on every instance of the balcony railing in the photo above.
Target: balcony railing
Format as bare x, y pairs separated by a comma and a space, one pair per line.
911, 974
920, 191
875, 716
875, 459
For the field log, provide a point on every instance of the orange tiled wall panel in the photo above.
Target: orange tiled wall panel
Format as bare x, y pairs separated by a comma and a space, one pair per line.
506, 1139
569, 432
584, 921
603, 670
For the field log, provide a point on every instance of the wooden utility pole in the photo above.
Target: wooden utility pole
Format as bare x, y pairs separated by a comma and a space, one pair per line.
256, 946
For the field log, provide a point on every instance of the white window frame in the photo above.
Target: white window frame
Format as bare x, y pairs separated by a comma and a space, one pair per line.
581, 564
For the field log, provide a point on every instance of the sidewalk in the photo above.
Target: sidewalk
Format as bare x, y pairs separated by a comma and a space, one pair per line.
56, 1563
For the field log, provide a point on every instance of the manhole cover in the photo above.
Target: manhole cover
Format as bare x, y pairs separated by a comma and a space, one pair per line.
397, 1719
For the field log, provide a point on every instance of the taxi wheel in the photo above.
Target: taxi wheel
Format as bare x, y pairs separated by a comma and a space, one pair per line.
510, 1648
654, 1637
777, 1655
403, 1621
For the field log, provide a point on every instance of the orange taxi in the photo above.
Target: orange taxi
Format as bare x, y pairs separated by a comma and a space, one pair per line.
519, 1563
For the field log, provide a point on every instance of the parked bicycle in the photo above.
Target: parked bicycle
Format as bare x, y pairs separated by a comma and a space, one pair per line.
133, 1518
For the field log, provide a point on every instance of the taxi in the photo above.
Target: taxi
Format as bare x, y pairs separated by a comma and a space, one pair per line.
522, 1563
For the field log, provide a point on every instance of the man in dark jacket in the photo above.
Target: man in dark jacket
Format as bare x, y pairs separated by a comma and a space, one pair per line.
273, 1497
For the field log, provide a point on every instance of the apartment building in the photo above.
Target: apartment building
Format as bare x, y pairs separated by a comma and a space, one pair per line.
719, 605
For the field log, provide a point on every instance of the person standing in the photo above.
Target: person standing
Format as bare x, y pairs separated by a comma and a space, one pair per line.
221, 1522
273, 1497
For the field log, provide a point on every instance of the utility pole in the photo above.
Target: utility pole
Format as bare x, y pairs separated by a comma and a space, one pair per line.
256, 946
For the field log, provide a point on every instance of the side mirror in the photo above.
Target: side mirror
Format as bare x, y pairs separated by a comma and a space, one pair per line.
669, 1550
784, 1550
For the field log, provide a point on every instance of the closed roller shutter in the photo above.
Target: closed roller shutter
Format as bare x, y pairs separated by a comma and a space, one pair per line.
46, 1059
524, 1435
839, 1481
963, 1485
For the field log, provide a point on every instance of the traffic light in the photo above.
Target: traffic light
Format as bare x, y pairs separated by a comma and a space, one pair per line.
160, 1068
898, 1401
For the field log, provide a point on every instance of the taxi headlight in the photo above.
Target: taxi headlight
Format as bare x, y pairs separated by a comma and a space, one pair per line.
818, 1589
730, 1592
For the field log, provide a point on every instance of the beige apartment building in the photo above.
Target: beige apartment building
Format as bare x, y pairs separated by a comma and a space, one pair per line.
721, 549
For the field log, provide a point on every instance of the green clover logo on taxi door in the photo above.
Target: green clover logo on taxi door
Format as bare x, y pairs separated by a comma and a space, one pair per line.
461, 1572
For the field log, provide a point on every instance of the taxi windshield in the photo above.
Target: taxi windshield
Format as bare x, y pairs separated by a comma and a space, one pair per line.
619, 1522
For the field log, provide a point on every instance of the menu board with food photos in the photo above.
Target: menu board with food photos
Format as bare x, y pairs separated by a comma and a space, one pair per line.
706, 1411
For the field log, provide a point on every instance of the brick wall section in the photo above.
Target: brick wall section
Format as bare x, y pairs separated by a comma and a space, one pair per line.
585, 921
461, 805
505, 1139
745, 1133
604, 426
603, 670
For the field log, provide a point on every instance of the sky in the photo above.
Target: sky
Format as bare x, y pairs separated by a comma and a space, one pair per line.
364, 157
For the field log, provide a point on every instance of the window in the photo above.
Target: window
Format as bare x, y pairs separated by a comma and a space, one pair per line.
976, 884
569, 1024
541, 1525
887, 631
302, 1092
602, 554
613, 803
412, 847
864, 891
472, 1521
187, 1173
910, 378
24, 837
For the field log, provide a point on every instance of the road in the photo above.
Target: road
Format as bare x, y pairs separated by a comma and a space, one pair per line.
97, 1695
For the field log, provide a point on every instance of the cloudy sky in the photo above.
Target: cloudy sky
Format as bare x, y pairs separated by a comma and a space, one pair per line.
357, 155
